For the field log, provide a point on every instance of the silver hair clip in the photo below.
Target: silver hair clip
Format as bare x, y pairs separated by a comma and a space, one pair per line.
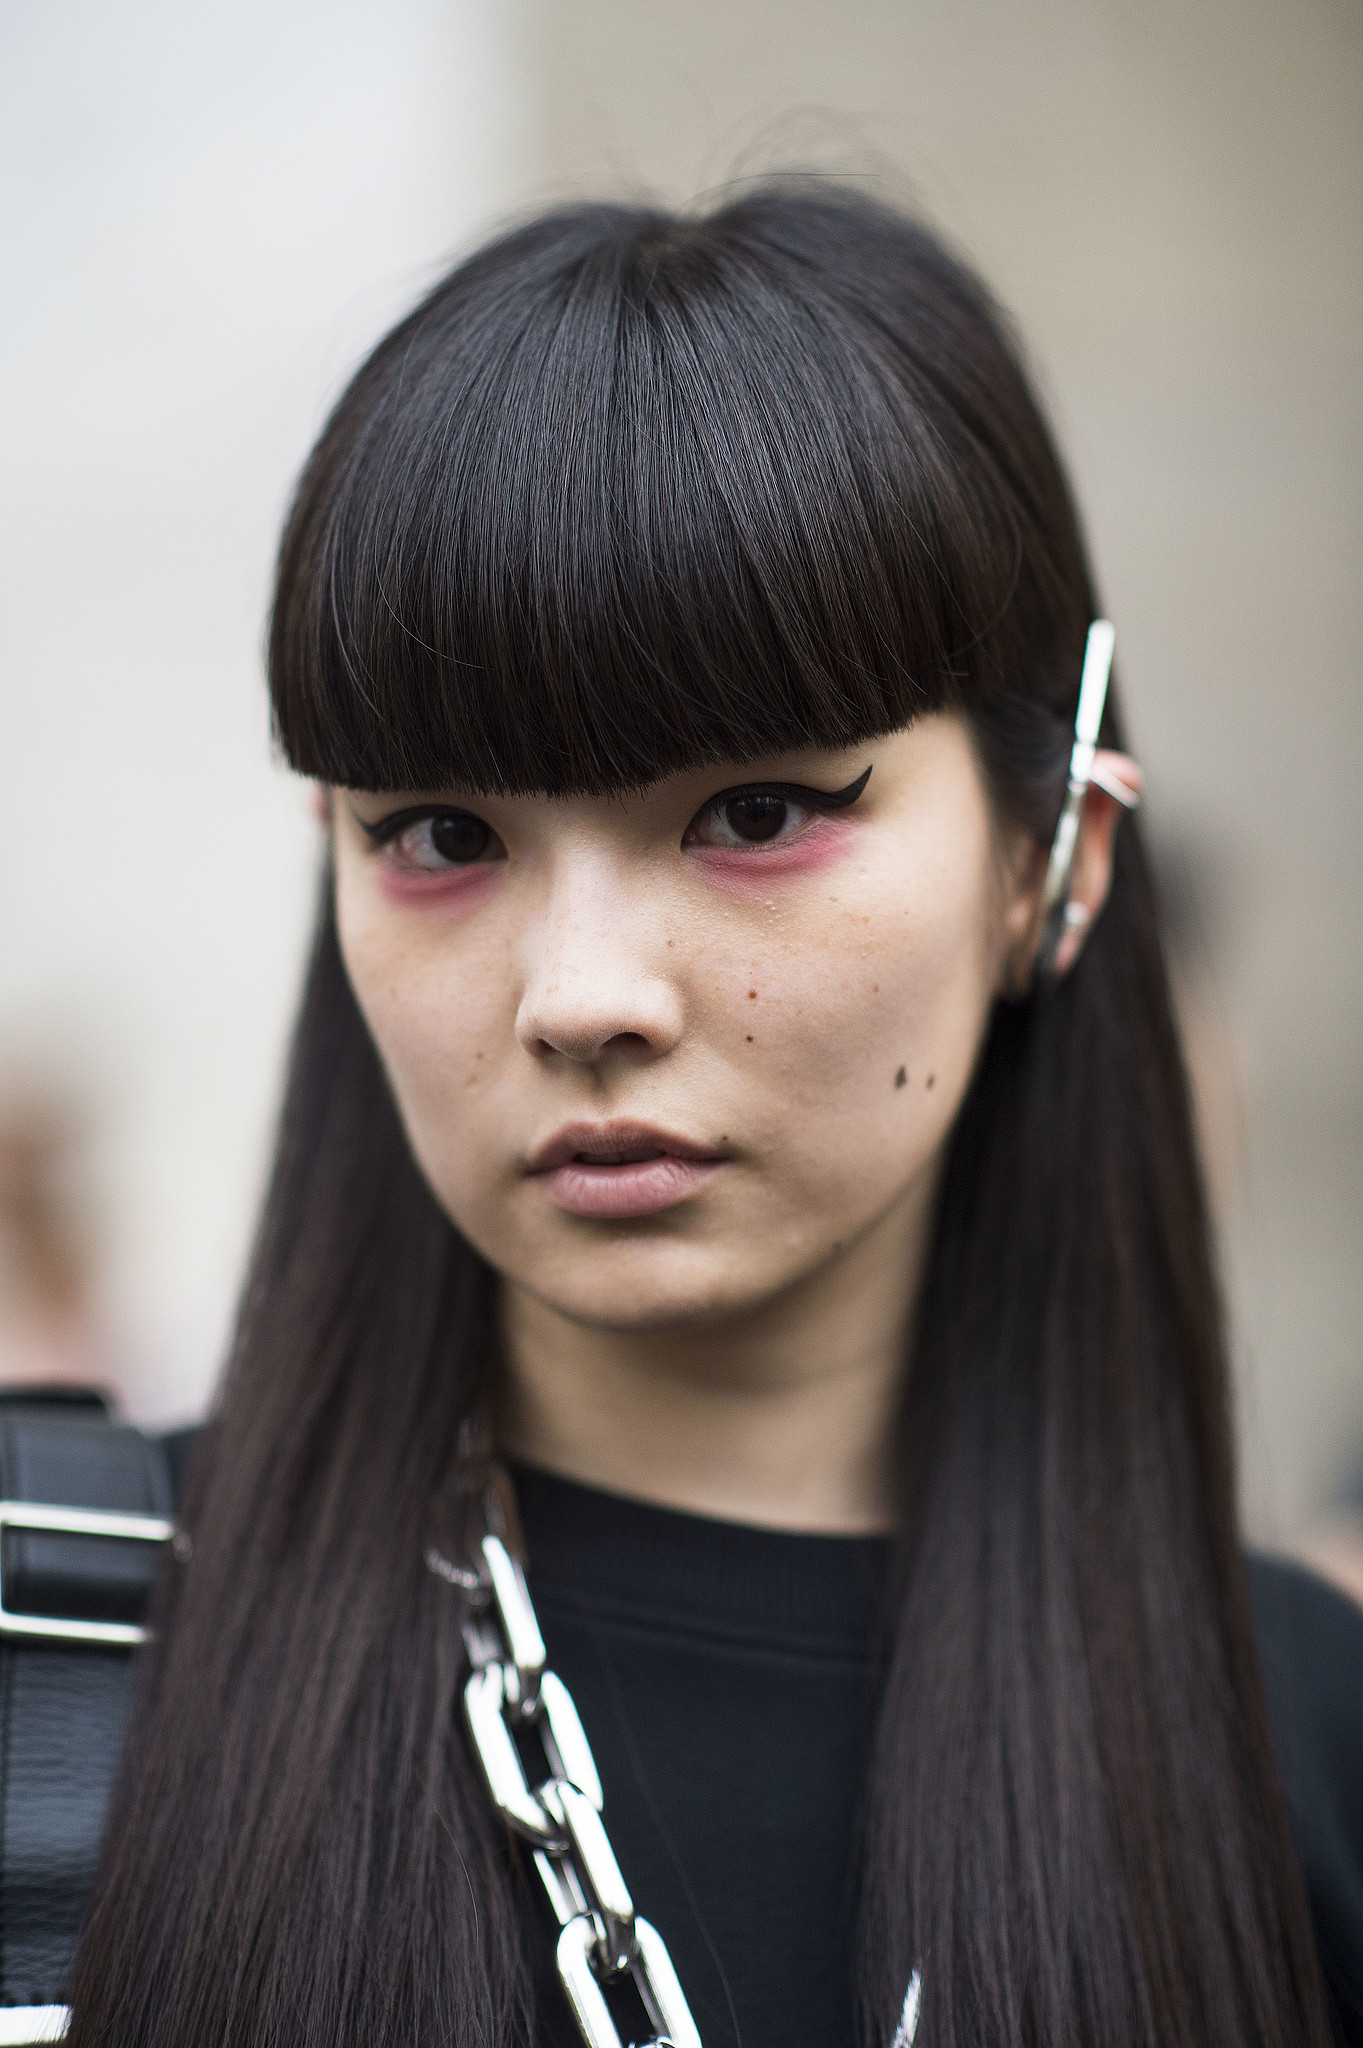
1059, 914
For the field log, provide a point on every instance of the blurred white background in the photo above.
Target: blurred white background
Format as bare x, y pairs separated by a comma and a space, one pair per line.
210, 213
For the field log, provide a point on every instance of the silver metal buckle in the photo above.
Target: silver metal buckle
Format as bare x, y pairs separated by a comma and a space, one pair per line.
26, 2025
23, 1514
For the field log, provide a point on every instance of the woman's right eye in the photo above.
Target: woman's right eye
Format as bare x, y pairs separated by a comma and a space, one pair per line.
440, 840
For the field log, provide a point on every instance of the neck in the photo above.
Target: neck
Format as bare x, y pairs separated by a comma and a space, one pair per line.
782, 1415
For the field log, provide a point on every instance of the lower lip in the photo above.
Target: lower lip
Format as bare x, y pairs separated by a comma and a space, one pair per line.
642, 1189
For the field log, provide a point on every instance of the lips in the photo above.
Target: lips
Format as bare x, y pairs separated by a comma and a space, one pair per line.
618, 1170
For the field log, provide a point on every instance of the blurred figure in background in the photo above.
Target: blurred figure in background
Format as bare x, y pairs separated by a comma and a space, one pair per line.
52, 1334
1335, 1544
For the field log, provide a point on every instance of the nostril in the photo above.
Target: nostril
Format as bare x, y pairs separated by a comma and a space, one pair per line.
584, 1020
586, 1044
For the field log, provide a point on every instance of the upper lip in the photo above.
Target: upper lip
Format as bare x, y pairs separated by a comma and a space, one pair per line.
603, 1143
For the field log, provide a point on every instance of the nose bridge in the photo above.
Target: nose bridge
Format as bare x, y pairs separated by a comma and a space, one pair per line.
591, 972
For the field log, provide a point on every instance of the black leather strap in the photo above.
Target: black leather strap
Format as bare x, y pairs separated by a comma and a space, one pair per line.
63, 1706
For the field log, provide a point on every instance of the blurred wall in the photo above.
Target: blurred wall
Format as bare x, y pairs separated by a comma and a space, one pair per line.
1169, 198
210, 212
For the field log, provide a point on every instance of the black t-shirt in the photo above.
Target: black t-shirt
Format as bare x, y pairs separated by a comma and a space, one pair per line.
723, 1674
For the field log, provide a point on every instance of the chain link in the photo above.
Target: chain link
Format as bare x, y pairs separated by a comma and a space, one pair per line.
512, 1701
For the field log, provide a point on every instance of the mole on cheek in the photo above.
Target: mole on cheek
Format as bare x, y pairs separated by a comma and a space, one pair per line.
901, 1077
931, 1081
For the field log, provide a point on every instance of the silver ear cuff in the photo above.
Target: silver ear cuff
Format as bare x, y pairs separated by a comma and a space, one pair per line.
1059, 915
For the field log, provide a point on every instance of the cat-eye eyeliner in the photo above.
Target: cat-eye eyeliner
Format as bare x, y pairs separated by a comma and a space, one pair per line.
796, 793
388, 828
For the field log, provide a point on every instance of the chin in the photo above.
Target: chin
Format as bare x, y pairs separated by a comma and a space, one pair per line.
683, 1290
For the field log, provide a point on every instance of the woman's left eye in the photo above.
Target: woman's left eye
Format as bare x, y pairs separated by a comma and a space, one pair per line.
748, 817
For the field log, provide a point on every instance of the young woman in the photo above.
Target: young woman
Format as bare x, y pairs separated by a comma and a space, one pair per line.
703, 1171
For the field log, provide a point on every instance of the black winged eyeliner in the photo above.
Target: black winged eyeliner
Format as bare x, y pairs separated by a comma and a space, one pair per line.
388, 828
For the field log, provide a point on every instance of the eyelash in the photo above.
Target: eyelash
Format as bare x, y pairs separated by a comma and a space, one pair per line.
819, 802
389, 830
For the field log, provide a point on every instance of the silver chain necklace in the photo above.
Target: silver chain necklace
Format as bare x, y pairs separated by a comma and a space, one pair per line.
602, 1940
511, 1700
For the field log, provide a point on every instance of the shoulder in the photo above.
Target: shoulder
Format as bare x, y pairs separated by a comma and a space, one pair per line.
1311, 1652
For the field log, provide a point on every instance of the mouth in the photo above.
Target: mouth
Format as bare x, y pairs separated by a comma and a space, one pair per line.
618, 1170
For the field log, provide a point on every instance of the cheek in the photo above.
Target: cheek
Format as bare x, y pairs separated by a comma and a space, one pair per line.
434, 1021
862, 1031
750, 875
445, 894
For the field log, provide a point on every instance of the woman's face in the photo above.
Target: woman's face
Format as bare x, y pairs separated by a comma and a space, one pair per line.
663, 1057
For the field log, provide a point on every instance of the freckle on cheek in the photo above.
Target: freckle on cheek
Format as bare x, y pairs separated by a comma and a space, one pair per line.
901, 1077
931, 1081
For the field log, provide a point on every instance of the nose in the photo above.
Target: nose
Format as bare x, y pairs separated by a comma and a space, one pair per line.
592, 986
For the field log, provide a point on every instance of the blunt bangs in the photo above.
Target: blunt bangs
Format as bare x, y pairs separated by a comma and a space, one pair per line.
630, 494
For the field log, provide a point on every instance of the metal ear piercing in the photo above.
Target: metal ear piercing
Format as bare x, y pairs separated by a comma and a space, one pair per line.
1114, 787
1059, 915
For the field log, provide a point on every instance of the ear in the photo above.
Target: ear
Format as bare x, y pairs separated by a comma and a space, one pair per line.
1091, 878
319, 802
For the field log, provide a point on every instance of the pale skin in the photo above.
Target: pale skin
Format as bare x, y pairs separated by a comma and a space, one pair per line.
800, 1015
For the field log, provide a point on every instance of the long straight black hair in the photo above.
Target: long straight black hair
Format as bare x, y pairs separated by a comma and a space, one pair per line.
630, 493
